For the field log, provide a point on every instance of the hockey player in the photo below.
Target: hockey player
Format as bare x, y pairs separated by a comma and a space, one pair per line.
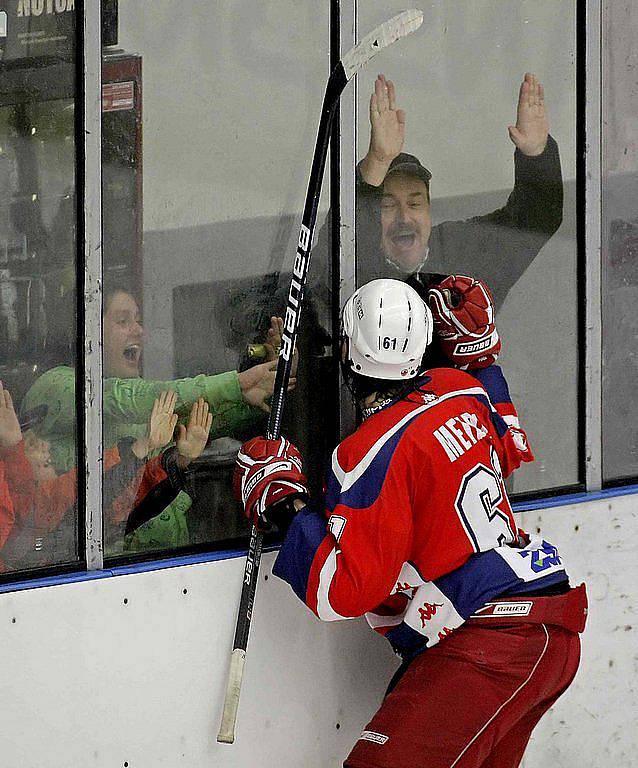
416, 533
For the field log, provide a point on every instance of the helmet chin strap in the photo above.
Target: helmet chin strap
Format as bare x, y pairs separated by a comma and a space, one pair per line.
408, 271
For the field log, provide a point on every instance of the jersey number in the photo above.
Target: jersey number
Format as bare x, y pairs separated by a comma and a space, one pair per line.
477, 505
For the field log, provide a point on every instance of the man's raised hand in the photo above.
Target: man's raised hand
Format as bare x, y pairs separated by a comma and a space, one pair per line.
532, 126
10, 432
387, 132
387, 123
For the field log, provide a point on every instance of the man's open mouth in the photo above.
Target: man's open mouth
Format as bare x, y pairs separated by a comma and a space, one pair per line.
132, 352
404, 239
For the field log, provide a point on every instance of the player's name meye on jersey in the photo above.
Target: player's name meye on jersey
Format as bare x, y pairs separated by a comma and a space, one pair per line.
459, 434
417, 532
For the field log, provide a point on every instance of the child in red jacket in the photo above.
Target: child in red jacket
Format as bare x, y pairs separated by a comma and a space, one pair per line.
38, 516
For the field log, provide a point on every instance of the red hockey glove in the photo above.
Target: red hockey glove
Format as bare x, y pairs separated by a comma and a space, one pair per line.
463, 311
268, 476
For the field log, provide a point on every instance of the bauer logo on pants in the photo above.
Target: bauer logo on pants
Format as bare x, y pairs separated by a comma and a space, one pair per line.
518, 608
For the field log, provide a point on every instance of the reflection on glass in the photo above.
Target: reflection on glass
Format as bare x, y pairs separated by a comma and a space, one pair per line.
620, 245
435, 198
38, 482
224, 171
146, 484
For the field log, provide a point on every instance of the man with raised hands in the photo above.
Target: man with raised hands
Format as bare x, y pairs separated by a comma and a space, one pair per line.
395, 234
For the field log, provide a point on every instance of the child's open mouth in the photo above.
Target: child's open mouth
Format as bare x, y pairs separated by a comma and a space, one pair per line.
132, 352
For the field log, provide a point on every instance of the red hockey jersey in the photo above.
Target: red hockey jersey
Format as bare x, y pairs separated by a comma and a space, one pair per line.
411, 496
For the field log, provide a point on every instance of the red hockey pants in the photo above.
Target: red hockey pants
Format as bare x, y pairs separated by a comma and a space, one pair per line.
473, 700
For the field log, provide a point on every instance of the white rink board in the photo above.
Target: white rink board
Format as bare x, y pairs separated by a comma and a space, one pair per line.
595, 723
88, 681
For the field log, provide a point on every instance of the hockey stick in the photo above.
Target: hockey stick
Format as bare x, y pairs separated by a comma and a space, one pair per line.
383, 36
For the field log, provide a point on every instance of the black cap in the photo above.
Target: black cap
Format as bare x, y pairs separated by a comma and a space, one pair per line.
410, 164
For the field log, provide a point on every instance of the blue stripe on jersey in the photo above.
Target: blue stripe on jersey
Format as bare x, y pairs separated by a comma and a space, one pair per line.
333, 489
367, 488
307, 530
487, 575
497, 420
493, 383
483, 577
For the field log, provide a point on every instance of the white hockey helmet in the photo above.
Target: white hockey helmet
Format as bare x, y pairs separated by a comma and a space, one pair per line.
386, 327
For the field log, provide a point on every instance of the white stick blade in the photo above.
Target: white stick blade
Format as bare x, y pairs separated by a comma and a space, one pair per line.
384, 35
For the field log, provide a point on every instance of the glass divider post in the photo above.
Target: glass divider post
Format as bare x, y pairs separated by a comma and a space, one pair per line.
593, 230
92, 245
347, 207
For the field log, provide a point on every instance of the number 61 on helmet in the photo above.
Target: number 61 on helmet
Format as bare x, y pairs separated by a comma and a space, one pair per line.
385, 329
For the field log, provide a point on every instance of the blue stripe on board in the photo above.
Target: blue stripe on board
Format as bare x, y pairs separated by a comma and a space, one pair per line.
125, 570
574, 498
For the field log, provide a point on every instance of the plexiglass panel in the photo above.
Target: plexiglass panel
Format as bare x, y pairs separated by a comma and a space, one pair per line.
224, 98
503, 213
620, 241
38, 446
